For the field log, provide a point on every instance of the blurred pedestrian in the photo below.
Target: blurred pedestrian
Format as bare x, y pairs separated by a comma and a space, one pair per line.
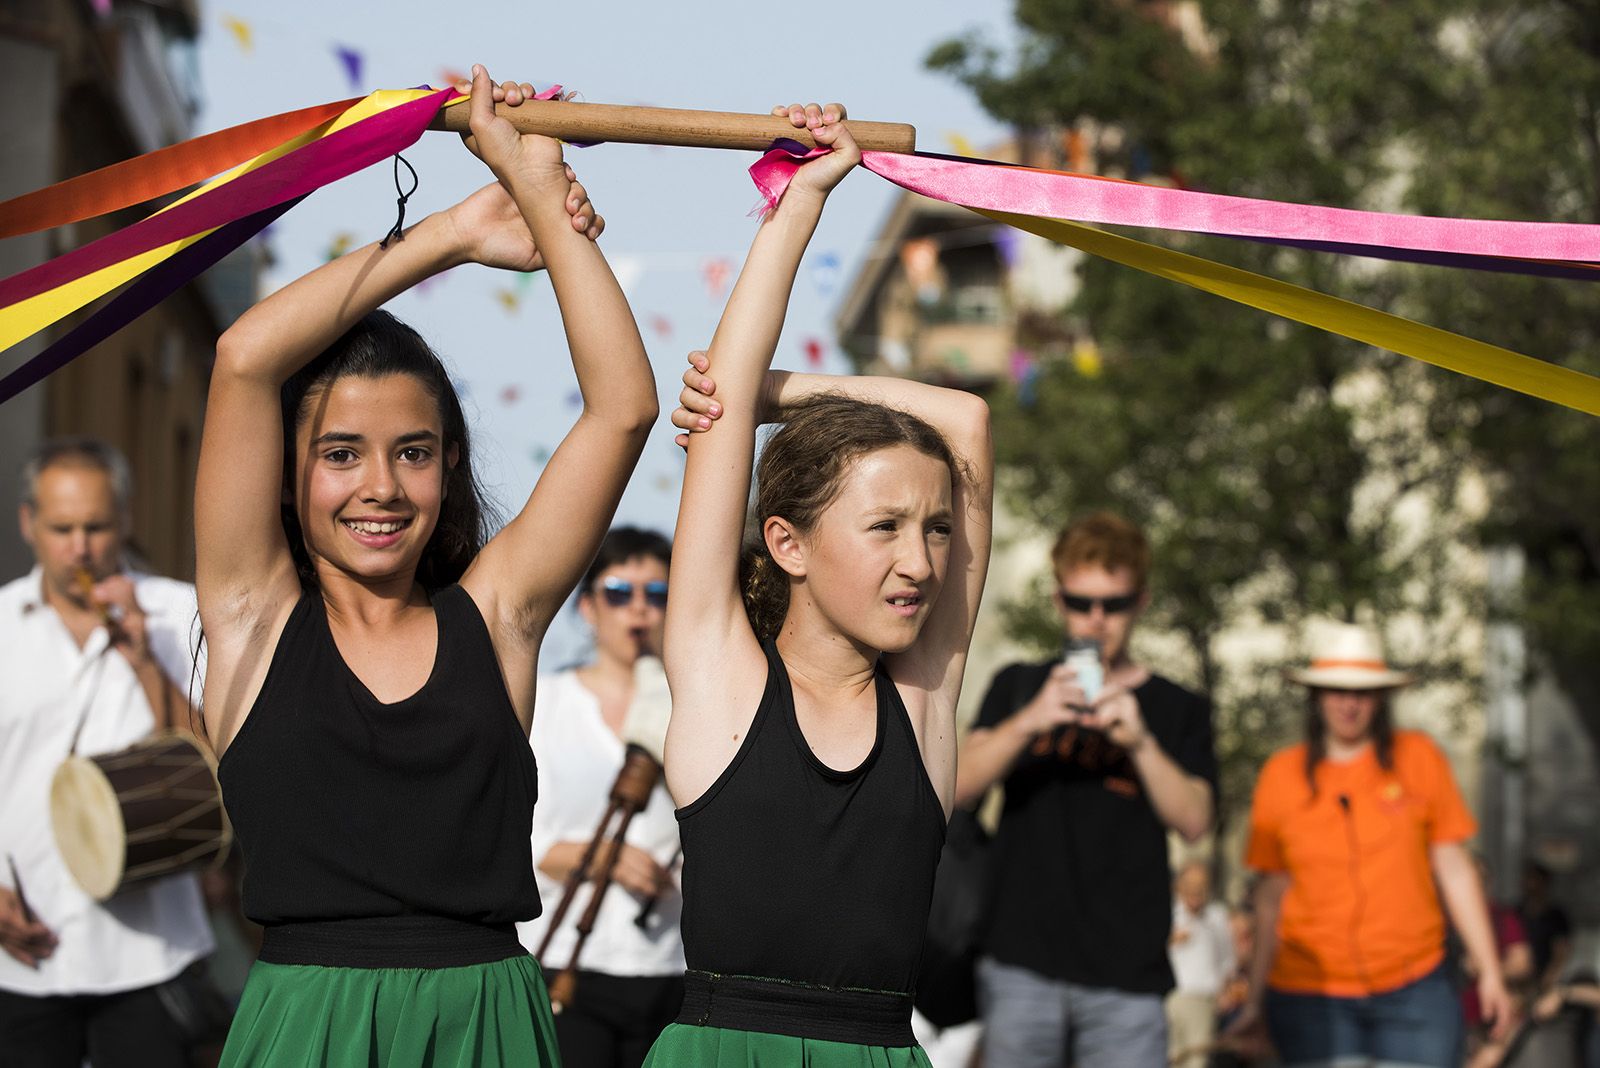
1358, 833
1579, 998
1201, 950
630, 978
1236, 1049
94, 655
1545, 921
1484, 1048
1075, 965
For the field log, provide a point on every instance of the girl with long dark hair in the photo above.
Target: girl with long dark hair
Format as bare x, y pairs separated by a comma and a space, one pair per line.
812, 742
372, 655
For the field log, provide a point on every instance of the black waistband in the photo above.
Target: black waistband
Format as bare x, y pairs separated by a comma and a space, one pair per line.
390, 942
781, 1007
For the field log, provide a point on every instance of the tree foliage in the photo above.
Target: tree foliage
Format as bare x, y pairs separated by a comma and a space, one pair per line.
1282, 471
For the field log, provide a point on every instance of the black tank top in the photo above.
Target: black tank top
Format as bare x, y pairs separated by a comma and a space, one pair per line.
346, 807
793, 870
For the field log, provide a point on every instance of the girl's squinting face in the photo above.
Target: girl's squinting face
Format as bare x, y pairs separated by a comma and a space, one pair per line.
625, 632
877, 558
371, 474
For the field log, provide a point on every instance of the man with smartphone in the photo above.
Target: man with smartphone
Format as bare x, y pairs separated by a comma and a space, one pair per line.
1096, 771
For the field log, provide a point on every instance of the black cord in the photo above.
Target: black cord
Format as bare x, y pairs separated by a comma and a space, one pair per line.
400, 202
1361, 894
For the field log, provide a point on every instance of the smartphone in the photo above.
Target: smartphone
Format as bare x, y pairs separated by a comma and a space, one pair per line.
1083, 656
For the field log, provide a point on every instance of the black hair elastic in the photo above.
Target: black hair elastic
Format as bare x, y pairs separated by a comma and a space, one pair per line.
400, 202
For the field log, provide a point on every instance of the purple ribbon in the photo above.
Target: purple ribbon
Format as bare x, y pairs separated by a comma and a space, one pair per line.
146, 291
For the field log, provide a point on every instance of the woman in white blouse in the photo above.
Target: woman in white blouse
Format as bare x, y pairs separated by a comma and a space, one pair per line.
630, 978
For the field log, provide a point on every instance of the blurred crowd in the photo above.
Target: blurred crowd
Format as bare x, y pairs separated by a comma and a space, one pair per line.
1060, 936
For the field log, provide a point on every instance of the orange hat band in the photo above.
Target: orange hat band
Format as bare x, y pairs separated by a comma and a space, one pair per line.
1370, 665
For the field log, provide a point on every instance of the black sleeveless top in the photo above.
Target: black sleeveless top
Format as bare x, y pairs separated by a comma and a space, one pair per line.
795, 871
346, 807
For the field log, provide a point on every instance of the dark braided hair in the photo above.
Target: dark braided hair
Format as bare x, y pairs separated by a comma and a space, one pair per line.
802, 470
377, 346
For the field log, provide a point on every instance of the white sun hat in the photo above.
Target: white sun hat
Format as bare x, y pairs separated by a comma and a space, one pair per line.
1346, 656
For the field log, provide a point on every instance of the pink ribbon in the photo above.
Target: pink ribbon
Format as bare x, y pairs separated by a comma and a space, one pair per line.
1083, 198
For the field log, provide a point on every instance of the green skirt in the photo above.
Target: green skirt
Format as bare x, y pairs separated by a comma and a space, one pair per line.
688, 1046
481, 1014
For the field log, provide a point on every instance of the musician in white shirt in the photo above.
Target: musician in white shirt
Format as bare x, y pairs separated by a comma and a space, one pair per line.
1201, 950
93, 653
630, 978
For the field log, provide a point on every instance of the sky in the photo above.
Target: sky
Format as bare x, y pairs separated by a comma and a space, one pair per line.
676, 218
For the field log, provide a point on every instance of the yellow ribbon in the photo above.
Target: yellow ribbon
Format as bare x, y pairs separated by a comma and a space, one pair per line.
28, 317
1490, 363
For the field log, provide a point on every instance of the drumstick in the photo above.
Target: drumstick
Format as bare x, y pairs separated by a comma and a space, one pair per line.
16, 885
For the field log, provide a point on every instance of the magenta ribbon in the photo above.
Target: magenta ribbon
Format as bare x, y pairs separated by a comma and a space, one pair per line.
144, 293
293, 175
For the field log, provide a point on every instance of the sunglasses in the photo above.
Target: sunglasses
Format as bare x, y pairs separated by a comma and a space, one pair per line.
1112, 605
618, 593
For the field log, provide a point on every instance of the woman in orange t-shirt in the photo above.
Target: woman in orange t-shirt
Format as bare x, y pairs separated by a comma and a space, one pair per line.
1357, 832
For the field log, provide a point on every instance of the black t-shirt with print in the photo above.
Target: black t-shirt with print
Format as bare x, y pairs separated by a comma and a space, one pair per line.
1082, 885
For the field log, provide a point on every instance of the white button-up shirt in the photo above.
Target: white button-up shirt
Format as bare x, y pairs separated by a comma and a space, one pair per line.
578, 758
1204, 960
142, 936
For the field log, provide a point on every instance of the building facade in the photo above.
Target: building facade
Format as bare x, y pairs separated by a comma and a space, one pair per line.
102, 88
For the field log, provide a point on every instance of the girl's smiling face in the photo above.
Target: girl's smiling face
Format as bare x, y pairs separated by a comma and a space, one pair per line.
370, 475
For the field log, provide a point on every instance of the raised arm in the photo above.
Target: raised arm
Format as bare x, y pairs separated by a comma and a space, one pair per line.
929, 673
524, 574
245, 577
712, 658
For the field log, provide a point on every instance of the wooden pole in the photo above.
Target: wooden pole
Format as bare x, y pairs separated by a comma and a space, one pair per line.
573, 120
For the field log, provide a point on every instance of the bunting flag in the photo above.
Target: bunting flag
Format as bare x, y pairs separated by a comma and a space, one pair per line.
716, 273
242, 32
352, 61
825, 270
338, 245
1086, 358
258, 179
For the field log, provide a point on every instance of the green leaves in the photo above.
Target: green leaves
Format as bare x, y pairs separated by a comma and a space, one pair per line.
1283, 472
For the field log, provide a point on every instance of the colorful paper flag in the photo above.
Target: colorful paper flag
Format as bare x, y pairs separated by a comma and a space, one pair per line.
825, 273
352, 61
242, 33
1086, 358
716, 273
959, 144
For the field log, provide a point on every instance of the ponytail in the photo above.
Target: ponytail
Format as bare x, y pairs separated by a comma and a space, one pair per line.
765, 589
